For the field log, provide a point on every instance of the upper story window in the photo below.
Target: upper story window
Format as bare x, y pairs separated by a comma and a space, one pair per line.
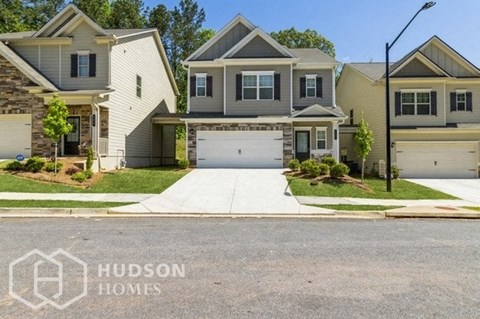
461, 100
257, 86
83, 64
321, 138
139, 86
311, 85
416, 102
201, 85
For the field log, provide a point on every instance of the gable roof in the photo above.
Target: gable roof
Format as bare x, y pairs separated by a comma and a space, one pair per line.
317, 110
419, 55
29, 71
372, 70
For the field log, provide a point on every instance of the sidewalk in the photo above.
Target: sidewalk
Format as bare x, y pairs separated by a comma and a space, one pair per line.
309, 200
81, 197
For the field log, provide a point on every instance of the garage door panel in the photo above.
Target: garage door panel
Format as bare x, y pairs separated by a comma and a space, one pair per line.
15, 135
243, 149
437, 160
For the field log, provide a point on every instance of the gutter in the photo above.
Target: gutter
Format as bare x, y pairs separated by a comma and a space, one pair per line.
97, 132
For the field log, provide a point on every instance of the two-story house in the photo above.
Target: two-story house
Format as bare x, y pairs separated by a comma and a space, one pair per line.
113, 82
435, 111
255, 103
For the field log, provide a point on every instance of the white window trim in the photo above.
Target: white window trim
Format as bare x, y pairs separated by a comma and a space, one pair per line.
307, 77
197, 76
83, 53
258, 74
138, 86
415, 102
321, 129
416, 90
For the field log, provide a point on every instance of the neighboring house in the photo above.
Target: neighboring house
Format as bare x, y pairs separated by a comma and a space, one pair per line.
435, 111
255, 103
113, 82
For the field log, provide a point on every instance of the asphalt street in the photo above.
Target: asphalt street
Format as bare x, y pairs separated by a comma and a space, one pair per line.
245, 268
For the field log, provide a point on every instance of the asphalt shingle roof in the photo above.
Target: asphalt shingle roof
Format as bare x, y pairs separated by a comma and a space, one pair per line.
313, 55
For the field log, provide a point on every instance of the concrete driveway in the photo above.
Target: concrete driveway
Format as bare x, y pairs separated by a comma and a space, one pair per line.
467, 189
225, 191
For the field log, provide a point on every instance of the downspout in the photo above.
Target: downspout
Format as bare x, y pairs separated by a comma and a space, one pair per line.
97, 132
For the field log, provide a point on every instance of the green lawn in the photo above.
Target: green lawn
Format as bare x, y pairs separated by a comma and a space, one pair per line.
473, 208
358, 207
400, 190
58, 204
144, 181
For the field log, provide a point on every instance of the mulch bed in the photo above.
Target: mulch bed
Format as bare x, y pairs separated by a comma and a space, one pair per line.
325, 179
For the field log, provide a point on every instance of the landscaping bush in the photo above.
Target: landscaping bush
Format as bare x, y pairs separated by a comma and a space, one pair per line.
72, 170
88, 173
329, 160
89, 163
395, 172
306, 166
324, 169
35, 164
15, 166
50, 167
183, 163
79, 177
339, 170
294, 164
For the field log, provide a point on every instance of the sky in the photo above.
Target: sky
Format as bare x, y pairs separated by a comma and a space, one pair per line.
359, 29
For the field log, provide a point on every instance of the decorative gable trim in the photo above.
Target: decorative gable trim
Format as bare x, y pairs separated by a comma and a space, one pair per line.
238, 19
258, 32
425, 60
317, 109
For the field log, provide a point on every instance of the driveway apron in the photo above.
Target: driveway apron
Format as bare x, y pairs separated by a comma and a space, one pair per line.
466, 189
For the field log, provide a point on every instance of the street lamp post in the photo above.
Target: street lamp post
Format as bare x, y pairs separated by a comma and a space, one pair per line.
426, 6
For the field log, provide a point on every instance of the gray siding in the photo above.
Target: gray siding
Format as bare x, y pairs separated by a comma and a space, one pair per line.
50, 63
250, 107
209, 104
445, 62
328, 90
29, 53
415, 69
258, 48
225, 43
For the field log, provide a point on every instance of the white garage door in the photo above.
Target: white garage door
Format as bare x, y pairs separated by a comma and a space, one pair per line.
437, 159
243, 149
15, 135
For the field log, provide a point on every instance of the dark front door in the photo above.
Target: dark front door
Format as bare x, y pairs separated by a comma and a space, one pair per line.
71, 141
302, 145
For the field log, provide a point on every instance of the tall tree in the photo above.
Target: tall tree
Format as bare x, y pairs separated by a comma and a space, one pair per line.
37, 13
127, 14
11, 12
292, 38
97, 10
363, 142
160, 18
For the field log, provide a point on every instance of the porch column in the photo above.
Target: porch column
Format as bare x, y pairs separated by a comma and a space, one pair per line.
336, 141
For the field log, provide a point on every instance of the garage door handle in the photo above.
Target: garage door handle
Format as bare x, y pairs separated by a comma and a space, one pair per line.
435, 163
279, 139
201, 159
278, 159
201, 139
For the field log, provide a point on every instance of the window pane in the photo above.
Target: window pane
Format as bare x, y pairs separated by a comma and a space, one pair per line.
461, 97
311, 82
83, 70
408, 97
311, 92
423, 98
249, 94
201, 81
321, 145
461, 106
321, 135
250, 80
266, 80
200, 91
83, 59
423, 109
266, 93
408, 109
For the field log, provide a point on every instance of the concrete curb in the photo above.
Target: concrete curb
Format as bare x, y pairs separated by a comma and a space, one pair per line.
462, 215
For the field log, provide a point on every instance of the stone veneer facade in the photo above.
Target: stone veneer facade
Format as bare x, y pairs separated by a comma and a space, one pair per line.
287, 129
14, 99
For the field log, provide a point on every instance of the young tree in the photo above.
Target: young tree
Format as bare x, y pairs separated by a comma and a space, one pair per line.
363, 143
294, 39
55, 124
97, 10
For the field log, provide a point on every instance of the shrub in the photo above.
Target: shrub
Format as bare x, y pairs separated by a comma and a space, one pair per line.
72, 170
50, 167
88, 173
89, 162
15, 166
79, 177
395, 172
183, 163
294, 164
324, 169
329, 160
306, 165
35, 164
339, 170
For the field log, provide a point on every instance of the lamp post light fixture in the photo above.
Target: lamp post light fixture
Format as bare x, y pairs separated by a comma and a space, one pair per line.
388, 46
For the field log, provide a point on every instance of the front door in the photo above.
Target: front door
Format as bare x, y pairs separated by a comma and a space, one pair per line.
302, 145
71, 141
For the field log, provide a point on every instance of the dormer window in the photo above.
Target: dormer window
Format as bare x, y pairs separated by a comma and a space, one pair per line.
311, 85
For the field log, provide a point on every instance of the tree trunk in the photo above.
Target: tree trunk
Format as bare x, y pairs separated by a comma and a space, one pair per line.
363, 169
56, 152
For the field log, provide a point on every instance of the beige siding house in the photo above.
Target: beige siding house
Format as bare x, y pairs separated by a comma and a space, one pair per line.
435, 112
255, 103
113, 81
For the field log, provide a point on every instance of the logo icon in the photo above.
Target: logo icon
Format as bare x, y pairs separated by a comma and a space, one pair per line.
37, 279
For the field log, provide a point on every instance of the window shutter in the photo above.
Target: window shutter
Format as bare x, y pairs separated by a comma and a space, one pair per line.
276, 86
209, 86
193, 86
319, 87
433, 102
398, 103
74, 65
239, 87
453, 102
469, 102
303, 87
92, 65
